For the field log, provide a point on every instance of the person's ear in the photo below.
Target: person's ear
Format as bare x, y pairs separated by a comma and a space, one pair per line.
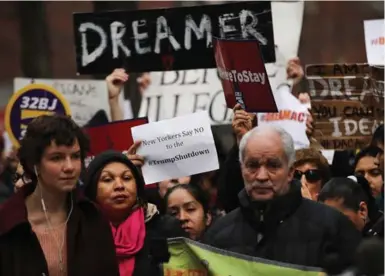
363, 210
209, 219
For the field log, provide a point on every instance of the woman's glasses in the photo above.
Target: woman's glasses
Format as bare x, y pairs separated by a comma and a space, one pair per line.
310, 175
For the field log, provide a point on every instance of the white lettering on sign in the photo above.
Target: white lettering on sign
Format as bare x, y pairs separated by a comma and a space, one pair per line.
338, 89
204, 28
39, 103
349, 127
118, 29
163, 31
244, 23
248, 27
91, 57
243, 76
140, 37
85, 97
239, 99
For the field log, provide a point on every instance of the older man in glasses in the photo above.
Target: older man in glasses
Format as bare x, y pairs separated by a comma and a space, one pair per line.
274, 221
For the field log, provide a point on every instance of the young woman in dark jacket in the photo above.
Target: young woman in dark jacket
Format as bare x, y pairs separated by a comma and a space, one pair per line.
115, 184
47, 227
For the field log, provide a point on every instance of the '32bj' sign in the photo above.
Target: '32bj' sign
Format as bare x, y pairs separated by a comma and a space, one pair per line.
28, 103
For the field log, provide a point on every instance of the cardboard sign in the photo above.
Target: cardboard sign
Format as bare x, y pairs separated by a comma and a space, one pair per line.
375, 41
115, 135
243, 75
377, 83
85, 97
176, 147
167, 39
29, 102
177, 93
346, 105
338, 70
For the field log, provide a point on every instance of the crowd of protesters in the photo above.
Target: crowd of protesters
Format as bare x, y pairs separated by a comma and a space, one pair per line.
266, 200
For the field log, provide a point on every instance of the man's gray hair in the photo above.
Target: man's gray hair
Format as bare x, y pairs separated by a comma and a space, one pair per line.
286, 139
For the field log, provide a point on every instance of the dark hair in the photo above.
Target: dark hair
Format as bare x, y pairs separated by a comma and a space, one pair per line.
378, 136
370, 200
96, 167
40, 134
344, 188
371, 151
195, 191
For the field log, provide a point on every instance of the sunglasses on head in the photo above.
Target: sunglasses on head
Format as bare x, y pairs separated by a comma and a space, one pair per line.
310, 175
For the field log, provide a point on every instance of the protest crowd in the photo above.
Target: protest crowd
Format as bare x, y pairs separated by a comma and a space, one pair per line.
163, 197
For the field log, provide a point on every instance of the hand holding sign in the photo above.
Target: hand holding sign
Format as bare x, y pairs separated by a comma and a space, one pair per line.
242, 122
143, 82
243, 75
294, 70
115, 82
136, 159
176, 147
309, 124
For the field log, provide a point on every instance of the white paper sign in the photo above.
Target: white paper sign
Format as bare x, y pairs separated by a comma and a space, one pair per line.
374, 41
291, 117
177, 147
177, 93
86, 97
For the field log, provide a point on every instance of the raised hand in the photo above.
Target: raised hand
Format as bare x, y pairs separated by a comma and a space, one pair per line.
294, 70
115, 82
136, 159
242, 122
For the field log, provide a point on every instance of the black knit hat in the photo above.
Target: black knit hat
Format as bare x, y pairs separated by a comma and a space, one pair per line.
99, 162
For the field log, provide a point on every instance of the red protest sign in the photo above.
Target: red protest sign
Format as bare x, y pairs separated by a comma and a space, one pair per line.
243, 75
114, 135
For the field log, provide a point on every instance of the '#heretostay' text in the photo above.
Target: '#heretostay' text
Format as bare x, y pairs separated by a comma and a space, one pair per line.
242, 76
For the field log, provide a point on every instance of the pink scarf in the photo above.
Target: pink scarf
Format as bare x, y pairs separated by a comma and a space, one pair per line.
129, 239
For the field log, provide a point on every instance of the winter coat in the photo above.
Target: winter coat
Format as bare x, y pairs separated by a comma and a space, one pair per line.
289, 229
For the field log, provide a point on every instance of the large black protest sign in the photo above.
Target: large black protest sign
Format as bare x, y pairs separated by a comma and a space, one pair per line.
167, 39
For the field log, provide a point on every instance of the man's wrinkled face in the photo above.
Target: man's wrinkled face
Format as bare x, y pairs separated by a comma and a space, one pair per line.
265, 168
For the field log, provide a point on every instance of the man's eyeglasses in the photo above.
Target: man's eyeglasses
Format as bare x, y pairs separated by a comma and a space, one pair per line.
310, 175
